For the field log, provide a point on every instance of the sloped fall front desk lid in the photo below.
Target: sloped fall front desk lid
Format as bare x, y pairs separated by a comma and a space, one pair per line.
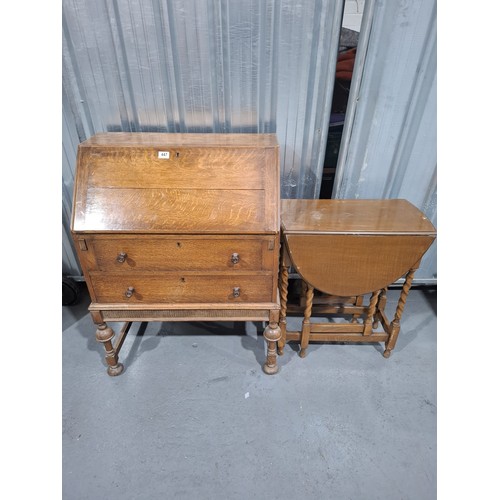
177, 183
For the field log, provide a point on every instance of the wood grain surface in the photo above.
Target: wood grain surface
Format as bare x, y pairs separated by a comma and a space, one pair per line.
239, 168
172, 211
170, 254
210, 183
354, 217
182, 287
348, 265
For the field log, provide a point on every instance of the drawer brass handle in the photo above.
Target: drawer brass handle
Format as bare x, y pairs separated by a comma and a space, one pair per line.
236, 291
121, 257
129, 292
235, 258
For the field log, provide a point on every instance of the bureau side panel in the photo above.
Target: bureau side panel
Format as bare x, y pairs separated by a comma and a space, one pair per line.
272, 186
270, 256
87, 260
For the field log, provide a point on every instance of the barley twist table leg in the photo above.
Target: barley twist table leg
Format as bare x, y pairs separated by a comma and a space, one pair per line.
367, 329
306, 323
104, 335
283, 303
272, 334
395, 324
382, 300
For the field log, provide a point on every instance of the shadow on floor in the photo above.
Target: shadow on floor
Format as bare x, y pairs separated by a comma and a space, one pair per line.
430, 294
74, 313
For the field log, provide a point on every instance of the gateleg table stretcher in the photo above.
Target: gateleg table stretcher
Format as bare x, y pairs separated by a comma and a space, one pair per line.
347, 249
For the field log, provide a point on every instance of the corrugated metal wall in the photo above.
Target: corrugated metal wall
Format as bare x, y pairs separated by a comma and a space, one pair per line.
389, 145
260, 66
201, 66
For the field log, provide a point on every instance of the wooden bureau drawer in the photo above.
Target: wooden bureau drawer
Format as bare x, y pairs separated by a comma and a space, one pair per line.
173, 254
182, 287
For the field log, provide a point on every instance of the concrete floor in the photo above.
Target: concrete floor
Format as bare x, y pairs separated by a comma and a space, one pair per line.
194, 417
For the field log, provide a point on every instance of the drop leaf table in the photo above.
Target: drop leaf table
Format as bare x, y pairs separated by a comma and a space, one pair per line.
347, 249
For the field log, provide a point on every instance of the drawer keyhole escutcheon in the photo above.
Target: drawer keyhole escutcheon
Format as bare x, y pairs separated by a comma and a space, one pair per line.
236, 291
121, 257
235, 258
129, 292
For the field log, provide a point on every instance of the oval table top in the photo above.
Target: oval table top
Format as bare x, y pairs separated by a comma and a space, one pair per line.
353, 247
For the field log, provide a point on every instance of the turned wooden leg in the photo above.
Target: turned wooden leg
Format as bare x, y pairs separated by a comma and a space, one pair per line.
359, 302
395, 324
382, 301
306, 323
283, 303
272, 334
104, 335
368, 324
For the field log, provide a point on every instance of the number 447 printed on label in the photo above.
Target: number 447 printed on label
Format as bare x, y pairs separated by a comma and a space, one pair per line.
165, 155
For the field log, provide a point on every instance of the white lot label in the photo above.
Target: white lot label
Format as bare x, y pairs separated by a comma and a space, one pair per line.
165, 155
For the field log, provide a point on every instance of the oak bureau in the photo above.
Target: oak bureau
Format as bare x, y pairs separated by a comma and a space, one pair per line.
178, 227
